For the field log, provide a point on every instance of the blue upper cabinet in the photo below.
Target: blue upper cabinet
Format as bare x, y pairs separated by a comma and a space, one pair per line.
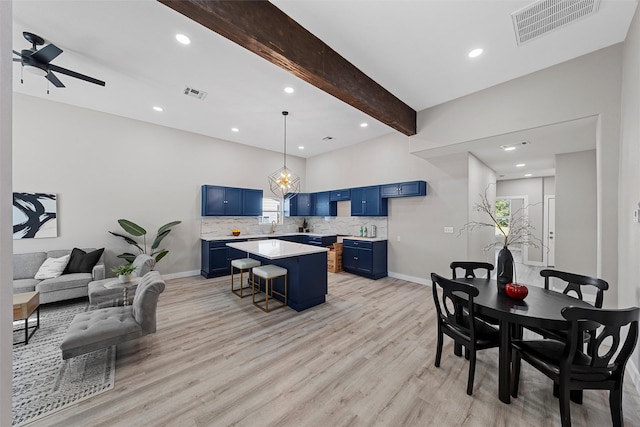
251, 202
230, 201
324, 206
404, 189
368, 201
303, 204
340, 195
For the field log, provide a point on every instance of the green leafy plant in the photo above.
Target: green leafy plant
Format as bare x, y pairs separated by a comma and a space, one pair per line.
136, 231
124, 269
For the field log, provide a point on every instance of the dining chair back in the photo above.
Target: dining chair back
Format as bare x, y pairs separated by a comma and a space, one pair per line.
601, 367
456, 318
469, 268
575, 283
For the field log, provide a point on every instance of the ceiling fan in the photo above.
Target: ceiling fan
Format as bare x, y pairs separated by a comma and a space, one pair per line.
39, 61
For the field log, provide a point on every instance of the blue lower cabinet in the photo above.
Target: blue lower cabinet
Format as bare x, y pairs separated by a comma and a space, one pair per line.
320, 240
216, 257
365, 258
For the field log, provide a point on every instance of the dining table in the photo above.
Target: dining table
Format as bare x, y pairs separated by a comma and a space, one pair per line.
540, 309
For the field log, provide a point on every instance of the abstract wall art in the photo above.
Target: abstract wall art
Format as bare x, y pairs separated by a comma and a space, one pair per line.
34, 215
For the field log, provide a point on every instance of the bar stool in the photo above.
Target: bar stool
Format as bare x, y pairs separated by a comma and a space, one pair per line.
242, 264
268, 273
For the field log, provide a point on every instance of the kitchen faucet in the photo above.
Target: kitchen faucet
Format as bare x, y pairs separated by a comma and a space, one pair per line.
273, 227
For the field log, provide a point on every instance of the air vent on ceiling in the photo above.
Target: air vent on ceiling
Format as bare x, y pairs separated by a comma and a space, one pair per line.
544, 16
198, 94
327, 138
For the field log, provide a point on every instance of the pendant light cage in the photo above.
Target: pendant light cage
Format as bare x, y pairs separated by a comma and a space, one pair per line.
284, 183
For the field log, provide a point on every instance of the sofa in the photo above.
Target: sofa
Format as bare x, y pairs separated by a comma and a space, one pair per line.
67, 286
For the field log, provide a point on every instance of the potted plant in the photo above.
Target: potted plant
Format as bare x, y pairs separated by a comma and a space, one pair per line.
124, 272
518, 231
305, 225
136, 231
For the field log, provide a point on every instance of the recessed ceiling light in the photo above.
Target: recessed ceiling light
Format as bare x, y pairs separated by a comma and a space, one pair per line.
156, 108
183, 39
475, 53
364, 125
509, 148
528, 175
288, 89
300, 147
520, 165
235, 130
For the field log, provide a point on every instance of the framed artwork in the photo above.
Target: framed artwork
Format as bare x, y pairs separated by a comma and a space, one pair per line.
34, 215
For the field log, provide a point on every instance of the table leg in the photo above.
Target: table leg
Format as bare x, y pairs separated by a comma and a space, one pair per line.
504, 362
26, 331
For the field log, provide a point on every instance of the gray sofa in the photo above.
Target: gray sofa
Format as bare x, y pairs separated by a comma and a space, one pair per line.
67, 286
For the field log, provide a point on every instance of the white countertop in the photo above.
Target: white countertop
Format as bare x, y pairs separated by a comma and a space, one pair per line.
263, 236
368, 239
274, 248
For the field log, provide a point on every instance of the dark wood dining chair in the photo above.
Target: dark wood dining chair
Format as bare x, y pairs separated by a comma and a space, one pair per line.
601, 367
574, 284
456, 319
470, 268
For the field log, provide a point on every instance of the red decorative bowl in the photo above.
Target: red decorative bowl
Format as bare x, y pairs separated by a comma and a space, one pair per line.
516, 291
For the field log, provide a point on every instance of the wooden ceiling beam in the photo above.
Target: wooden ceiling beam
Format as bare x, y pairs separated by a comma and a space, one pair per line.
265, 30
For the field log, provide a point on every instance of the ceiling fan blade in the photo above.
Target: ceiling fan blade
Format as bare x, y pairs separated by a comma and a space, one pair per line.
76, 75
47, 53
53, 79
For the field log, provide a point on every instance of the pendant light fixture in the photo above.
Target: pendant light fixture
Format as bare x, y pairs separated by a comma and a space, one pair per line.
284, 183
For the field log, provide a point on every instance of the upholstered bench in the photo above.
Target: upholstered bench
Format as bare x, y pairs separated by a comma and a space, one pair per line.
93, 330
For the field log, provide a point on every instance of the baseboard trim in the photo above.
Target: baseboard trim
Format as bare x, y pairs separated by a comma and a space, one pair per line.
181, 274
418, 280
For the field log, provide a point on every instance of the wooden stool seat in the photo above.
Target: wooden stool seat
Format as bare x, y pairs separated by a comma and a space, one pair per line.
242, 264
268, 273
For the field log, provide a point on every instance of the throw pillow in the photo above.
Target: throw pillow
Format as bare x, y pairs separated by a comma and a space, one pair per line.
82, 262
52, 268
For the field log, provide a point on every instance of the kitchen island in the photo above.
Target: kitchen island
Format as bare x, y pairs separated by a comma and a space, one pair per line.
306, 268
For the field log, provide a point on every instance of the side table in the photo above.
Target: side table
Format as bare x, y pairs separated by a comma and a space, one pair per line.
111, 292
23, 307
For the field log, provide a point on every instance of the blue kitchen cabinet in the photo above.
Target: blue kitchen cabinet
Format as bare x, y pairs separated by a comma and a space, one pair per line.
324, 206
404, 189
216, 257
320, 240
230, 201
340, 195
365, 258
367, 201
303, 204
251, 202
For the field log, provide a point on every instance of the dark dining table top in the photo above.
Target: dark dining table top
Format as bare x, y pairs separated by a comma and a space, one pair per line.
541, 308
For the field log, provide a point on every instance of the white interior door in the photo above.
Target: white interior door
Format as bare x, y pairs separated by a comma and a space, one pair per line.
550, 237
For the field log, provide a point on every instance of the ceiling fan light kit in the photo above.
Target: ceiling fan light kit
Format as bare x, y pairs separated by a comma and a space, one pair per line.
38, 61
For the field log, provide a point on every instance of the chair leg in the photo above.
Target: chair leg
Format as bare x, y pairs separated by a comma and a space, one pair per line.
439, 348
615, 405
565, 413
466, 353
472, 370
515, 373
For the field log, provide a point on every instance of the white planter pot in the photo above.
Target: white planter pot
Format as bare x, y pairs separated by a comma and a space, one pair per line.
124, 278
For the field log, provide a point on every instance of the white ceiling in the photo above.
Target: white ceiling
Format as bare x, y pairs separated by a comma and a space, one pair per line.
415, 49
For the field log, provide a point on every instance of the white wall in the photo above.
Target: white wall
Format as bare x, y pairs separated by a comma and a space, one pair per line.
6, 264
584, 87
104, 167
482, 180
417, 222
629, 235
576, 215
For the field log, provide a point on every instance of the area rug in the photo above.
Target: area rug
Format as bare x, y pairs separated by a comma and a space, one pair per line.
43, 383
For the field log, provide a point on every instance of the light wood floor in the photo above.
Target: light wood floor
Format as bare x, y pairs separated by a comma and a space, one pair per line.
364, 358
